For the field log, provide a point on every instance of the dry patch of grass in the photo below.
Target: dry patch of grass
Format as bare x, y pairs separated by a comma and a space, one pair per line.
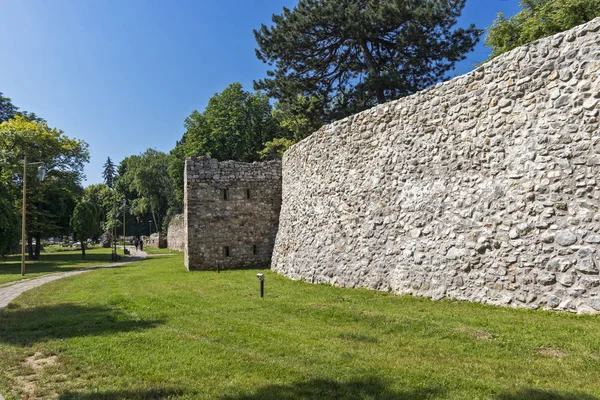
552, 352
477, 334
31, 371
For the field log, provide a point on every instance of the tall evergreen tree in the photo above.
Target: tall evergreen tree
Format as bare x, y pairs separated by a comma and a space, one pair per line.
109, 173
353, 54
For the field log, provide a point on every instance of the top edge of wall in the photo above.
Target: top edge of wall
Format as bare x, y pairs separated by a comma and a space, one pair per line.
572, 34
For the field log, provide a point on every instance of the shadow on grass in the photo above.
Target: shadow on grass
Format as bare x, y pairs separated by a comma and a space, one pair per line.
366, 388
53, 262
225, 270
31, 325
536, 394
142, 394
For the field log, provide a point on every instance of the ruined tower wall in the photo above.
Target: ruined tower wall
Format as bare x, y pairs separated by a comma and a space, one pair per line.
231, 213
176, 233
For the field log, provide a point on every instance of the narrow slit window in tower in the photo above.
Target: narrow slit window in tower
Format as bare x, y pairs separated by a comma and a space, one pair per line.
226, 251
247, 193
225, 194
255, 249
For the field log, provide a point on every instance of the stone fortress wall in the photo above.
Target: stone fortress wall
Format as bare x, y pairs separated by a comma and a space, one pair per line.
485, 188
157, 240
231, 213
176, 233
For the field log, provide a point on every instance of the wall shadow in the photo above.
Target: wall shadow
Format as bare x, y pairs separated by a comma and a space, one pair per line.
318, 389
537, 394
37, 324
141, 394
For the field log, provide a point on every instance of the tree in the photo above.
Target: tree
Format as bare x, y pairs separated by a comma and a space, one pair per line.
176, 169
49, 205
86, 221
109, 172
353, 54
275, 148
9, 223
7, 109
297, 118
146, 184
234, 126
103, 196
538, 19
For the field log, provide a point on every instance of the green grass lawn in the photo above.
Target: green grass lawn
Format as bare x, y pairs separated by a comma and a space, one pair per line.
151, 330
51, 262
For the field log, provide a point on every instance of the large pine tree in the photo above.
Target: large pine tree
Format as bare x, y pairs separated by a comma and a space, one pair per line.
109, 173
353, 54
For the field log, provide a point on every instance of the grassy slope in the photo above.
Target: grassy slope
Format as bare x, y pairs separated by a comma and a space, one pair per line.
63, 261
151, 330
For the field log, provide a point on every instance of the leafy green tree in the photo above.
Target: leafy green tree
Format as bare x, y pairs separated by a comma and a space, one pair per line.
297, 119
109, 172
98, 194
103, 196
7, 109
176, 166
353, 54
9, 223
538, 19
275, 148
234, 126
49, 205
146, 184
52, 203
86, 221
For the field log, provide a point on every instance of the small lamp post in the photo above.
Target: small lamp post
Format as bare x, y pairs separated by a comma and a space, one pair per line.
261, 278
41, 174
149, 227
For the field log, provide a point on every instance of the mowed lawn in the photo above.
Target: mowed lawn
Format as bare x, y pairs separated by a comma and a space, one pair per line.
151, 330
63, 261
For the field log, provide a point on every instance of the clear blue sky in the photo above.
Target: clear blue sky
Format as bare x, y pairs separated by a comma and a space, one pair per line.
123, 74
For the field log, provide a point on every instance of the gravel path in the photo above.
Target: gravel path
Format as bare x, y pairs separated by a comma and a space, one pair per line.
11, 292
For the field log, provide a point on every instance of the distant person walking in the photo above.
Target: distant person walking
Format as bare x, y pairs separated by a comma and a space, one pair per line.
141, 245
137, 243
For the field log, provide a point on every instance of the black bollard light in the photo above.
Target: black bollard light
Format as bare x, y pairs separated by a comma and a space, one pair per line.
261, 278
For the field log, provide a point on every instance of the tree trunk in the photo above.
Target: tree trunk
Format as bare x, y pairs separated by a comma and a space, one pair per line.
38, 246
155, 224
372, 71
82, 249
30, 246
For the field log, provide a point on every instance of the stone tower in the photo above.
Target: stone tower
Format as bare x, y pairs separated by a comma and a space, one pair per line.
231, 213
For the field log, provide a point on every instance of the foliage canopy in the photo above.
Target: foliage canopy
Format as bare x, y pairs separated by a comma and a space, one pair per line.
109, 172
354, 54
49, 205
86, 220
538, 19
